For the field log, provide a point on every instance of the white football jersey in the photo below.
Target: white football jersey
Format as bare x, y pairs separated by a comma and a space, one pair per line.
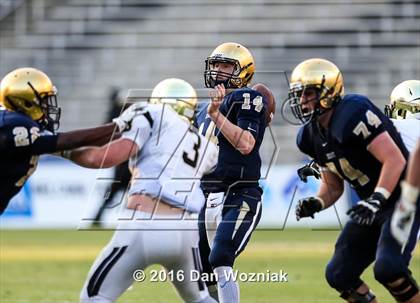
409, 130
172, 158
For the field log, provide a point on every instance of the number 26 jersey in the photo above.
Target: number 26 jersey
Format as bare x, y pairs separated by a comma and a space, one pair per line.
21, 143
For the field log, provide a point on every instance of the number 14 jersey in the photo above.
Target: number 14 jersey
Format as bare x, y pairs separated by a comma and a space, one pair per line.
245, 108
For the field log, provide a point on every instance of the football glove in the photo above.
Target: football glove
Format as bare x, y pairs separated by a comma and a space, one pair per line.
310, 169
364, 212
124, 120
307, 207
402, 220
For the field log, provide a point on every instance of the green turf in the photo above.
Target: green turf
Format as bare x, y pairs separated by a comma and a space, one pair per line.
50, 266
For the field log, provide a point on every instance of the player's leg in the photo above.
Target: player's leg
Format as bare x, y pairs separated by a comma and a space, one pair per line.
241, 214
354, 251
187, 269
391, 266
204, 249
112, 272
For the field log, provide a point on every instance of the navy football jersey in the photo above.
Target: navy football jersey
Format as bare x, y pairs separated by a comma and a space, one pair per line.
245, 108
342, 148
20, 146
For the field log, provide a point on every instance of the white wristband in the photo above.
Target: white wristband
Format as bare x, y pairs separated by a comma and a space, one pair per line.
383, 191
121, 124
409, 192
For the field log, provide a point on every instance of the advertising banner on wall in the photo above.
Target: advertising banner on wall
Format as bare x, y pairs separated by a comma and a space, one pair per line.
57, 195
283, 188
63, 195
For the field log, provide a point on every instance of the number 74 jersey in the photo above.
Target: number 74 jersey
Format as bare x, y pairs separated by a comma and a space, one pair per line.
172, 158
342, 148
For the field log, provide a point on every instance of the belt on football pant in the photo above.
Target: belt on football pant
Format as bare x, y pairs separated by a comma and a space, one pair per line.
146, 203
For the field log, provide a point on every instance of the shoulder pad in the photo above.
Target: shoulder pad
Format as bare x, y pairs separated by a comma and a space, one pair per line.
17, 119
350, 110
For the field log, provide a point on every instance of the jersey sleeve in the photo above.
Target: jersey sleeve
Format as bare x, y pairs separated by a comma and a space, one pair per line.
362, 125
251, 108
200, 117
140, 131
26, 138
303, 142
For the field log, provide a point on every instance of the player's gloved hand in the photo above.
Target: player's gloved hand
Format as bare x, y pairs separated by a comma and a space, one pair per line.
124, 120
364, 212
405, 211
310, 169
307, 207
402, 220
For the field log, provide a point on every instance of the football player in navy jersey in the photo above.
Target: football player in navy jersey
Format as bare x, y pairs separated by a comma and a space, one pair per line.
29, 116
236, 119
351, 139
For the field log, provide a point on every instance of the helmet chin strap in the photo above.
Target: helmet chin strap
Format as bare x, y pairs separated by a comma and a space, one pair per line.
320, 111
317, 113
37, 95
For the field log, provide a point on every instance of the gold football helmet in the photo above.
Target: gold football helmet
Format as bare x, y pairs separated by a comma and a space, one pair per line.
179, 94
321, 75
237, 55
31, 92
405, 101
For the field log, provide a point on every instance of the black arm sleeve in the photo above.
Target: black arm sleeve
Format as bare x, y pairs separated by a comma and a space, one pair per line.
26, 139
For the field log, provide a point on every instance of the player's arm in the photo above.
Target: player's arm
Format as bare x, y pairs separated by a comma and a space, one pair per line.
238, 137
370, 133
393, 162
105, 156
27, 139
117, 151
403, 216
100, 135
331, 189
90, 136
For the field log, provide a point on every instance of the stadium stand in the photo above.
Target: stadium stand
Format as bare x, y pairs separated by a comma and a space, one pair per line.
88, 46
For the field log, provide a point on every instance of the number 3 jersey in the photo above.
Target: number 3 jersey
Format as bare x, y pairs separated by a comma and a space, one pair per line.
342, 148
245, 108
172, 158
20, 145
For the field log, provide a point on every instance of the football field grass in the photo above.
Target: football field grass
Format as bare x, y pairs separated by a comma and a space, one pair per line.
51, 266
